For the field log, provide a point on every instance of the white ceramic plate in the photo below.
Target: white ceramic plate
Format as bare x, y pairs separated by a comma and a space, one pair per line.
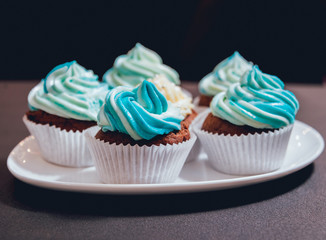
26, 164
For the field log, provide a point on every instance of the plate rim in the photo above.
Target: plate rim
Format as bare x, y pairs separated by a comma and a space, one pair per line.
163, 188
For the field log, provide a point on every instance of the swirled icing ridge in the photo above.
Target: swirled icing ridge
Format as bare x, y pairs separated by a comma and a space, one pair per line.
227, 72
139, 64
69, 91
142, 112
259, 101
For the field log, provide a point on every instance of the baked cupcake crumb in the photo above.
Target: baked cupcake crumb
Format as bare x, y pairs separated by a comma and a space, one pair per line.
44, 118
205, 100
217, 125
188, 119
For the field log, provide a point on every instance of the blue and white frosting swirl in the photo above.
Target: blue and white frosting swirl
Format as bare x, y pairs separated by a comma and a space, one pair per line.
69, 91
227, 72
259, 101
139, 64
141, 112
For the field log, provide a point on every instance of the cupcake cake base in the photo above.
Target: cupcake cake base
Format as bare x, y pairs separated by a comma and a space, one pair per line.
205, 100
45, 118
217, 125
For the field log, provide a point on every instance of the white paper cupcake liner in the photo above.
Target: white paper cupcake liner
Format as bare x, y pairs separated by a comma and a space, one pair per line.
119, 164
245, 154
197, 149
59, 146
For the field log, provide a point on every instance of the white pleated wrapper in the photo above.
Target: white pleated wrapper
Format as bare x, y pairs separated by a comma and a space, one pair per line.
59, 146
119, 164
196, 149
246, 154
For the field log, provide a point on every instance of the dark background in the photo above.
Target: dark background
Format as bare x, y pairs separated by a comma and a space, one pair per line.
285, 38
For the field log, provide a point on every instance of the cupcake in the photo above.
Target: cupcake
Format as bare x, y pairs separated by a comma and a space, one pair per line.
247, 128
143, 137
226, 73
138, 64
64, 104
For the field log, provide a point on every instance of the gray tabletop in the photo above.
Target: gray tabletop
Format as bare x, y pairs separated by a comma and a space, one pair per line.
291, 207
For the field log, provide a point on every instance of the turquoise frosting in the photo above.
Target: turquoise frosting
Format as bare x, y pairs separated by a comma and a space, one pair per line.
141, 112
226, 73
69, 91
139, 64
259, 101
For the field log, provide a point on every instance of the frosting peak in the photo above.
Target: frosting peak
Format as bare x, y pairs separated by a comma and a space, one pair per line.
142, 112
227, 72
71, 76
141, 53
70, 91
138, 64
256, 79
259, 101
